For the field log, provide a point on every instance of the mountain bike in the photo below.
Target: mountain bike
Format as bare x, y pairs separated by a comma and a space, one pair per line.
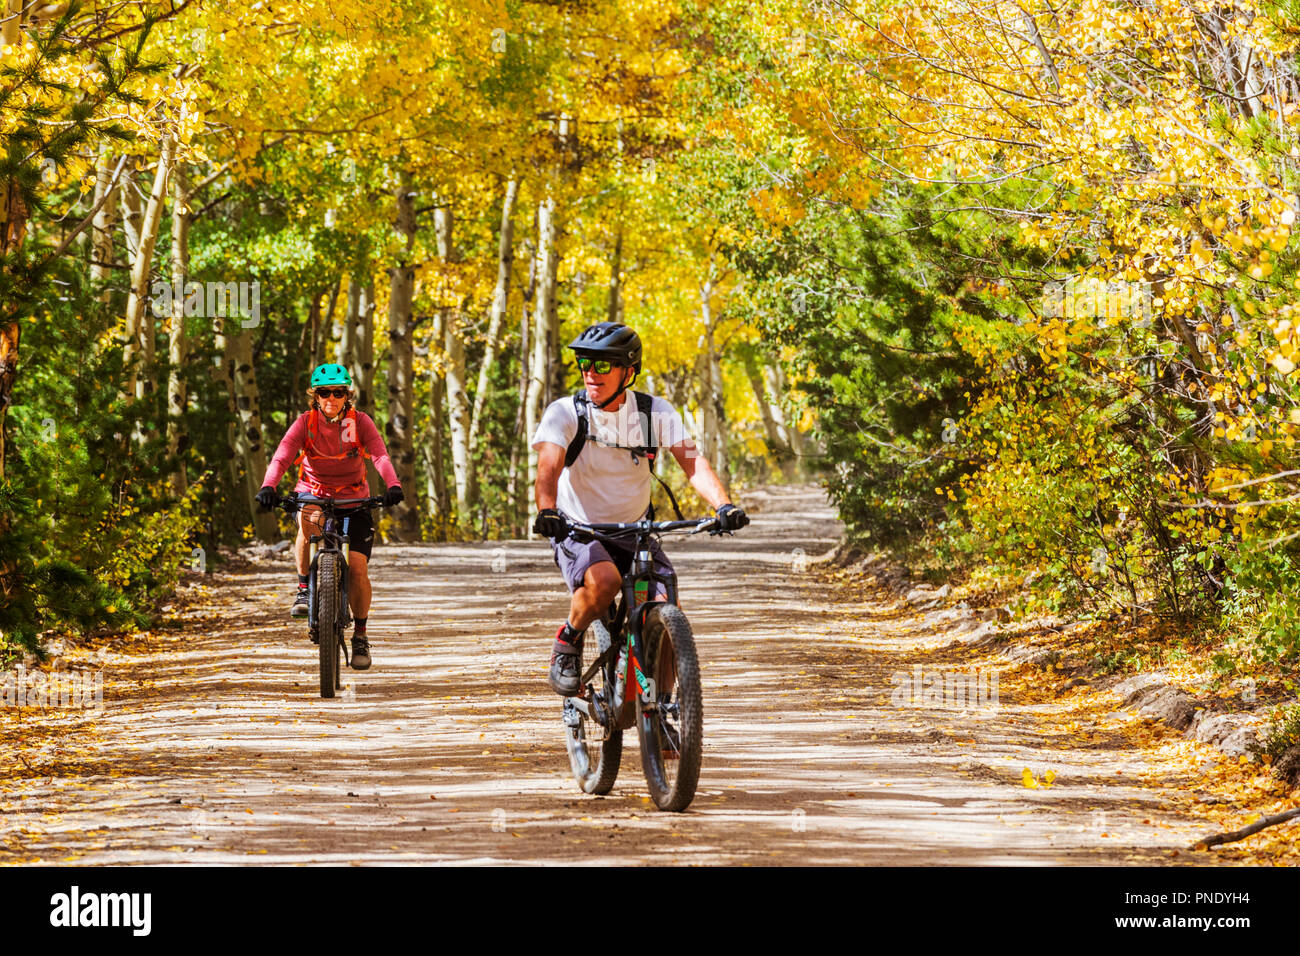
649, 677
328, 612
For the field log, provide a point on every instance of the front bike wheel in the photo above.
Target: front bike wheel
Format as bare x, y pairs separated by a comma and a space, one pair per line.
594, 751
671, 729
327, 620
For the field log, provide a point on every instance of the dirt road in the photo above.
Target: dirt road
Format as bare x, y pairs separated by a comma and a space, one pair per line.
213, 745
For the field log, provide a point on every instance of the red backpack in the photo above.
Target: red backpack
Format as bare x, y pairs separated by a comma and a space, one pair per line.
353, 447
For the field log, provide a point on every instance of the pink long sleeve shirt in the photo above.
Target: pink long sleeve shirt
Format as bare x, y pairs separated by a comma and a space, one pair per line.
324, 475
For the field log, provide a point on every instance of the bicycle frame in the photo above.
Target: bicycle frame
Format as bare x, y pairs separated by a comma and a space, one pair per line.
625, 629
334, 539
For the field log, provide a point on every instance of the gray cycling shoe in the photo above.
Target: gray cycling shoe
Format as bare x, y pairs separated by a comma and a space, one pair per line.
360, 652
299, 607
564, 675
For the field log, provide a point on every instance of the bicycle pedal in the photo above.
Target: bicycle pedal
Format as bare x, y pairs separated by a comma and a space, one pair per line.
571, 716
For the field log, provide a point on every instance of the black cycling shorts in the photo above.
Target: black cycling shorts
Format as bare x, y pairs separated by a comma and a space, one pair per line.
361, 530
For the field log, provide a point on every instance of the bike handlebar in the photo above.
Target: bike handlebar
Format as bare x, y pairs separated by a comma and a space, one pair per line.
294, 499
625, 528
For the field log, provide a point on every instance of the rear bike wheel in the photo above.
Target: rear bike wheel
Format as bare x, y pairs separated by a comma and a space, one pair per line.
671, 731
327, 620
594, 751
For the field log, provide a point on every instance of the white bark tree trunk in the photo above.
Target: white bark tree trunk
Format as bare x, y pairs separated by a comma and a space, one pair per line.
713, 411
439, 502
249, 450
365, 339
346, 352
139, 318
401, 366
539, 362
517, 495
778, 438
132, 210
500, 300
102, 259
458, 416
177, 346
458, 409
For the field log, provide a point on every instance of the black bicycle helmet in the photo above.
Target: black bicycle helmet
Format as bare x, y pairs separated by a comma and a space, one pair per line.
610, 340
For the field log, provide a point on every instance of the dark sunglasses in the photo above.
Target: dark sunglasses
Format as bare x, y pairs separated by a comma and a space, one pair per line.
332, 392
600, 366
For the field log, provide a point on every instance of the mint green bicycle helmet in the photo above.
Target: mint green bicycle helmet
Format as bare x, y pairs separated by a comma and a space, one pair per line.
330, 375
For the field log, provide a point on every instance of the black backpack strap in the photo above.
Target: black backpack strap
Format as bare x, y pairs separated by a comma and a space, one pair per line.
644, 404
650, 449
580, 437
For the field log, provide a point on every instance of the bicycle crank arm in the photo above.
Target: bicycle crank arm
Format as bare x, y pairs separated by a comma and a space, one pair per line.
591, 709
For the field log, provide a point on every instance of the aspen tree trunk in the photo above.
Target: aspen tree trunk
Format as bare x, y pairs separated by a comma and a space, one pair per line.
244, 443
778, 441
453, 346
102, 258
132, 210
139, 317
518, 497
458, 416
13, 21
539, 362
614, 307
13, 230
315, 343
713, 412
401, 366
250, 440
365, 339
335, 324
347, 348
496, 320
555, 367
614, 311
364, 367
327, 324
177, 347
436, 490
774, 377
223, 374
540, 371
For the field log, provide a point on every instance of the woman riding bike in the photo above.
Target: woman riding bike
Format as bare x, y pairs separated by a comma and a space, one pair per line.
332, 442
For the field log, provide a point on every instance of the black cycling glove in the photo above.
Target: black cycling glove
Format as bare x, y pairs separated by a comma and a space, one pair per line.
266, 497
731, 518
393, 496
551, 524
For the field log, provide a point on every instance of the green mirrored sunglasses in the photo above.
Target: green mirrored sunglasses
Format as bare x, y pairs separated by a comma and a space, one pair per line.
599, 366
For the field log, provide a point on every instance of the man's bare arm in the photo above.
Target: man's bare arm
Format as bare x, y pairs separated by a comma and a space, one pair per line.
700, 474
550, 463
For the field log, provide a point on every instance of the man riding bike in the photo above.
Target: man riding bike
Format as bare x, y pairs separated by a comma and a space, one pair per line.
332, 442
594, 464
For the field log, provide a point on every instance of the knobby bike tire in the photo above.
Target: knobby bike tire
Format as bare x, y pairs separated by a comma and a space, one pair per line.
327, 620
594, 751
677, 724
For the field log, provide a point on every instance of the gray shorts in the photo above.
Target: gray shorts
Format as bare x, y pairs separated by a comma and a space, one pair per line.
573, 558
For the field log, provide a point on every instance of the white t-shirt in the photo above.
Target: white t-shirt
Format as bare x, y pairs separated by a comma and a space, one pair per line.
608, 482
